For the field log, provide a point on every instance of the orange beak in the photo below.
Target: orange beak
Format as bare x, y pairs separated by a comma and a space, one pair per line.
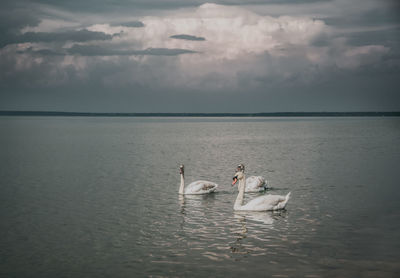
234, 181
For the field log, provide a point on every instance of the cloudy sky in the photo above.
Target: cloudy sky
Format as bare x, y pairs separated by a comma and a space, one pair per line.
195, 56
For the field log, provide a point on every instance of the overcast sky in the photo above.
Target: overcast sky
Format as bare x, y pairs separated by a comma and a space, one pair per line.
194, 56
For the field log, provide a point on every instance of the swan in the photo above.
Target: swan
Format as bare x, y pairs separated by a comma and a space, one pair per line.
262, 203
254, 183
196, 187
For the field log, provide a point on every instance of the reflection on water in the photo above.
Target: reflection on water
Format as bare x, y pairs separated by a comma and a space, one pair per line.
262, 217
221, 233
237, 246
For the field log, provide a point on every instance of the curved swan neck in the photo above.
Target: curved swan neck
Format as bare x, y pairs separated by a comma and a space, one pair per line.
240, 196
182, 187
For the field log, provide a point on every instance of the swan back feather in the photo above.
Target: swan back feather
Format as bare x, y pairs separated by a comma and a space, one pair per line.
266, 202
201, 187
255, 184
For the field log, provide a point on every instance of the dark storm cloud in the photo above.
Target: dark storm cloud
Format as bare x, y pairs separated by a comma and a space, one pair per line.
134, 24
372, 37
25, 8
14, 17
93, 50
75, 36
90, 50
187, 37
42, 52
17, 14
385, 14
107, 6
137, 5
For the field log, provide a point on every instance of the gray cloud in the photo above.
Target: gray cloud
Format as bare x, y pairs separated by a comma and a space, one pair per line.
165, 4
187, 37
134, 24
94, 50
136, 6
89, 50
75, 36
13, 17
42, 52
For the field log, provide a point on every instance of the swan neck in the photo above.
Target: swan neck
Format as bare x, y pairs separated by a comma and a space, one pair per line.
240, 196
182, 186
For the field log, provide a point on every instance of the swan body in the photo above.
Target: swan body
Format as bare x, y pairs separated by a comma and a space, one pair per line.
255, 184
262, 203
196, 187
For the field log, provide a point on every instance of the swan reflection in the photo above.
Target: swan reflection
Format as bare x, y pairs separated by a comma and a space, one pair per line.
195, 209
195, 202
237, 247
252, 226
258, 216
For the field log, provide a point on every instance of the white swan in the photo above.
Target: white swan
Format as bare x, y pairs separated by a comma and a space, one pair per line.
262, 203
196, 187
253, 183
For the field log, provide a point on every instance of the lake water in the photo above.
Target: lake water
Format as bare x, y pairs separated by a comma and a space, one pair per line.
97, 197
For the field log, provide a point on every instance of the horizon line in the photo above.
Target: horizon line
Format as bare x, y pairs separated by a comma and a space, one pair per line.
201, 114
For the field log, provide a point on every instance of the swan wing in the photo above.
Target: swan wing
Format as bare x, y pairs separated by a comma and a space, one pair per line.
200, 187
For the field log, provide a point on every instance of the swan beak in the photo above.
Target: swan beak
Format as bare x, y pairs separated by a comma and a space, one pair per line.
235, 179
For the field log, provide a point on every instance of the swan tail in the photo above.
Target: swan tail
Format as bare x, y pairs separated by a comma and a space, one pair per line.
210, 188
282, 204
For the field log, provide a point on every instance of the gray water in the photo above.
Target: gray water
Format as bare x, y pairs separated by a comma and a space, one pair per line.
97, 197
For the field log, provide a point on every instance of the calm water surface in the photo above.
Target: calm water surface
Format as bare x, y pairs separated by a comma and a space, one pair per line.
97, 197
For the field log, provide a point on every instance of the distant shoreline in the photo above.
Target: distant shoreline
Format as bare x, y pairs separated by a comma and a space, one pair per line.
271, 114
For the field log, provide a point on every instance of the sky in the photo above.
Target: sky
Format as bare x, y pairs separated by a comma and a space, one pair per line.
194, 56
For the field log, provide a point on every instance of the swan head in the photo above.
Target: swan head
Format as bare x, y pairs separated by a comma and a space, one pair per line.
182, 169
239, 174
240, 168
